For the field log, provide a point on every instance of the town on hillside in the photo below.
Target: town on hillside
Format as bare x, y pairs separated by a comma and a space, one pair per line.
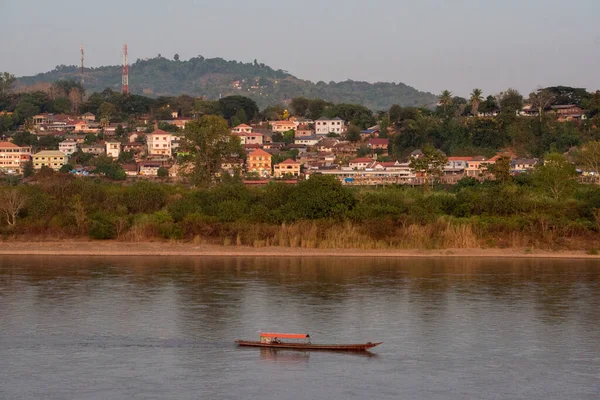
357, 147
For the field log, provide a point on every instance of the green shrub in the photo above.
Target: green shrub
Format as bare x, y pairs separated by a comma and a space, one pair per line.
102, 226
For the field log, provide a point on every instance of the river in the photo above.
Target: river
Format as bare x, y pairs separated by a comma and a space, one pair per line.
164, 328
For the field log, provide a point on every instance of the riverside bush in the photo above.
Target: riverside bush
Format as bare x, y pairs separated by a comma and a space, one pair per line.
319, 212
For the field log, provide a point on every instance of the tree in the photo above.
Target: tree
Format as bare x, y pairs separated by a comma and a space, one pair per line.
176, 57
12, 202
542, 99
501, 169
510, 101
556, 176
107, 111
353, 133
24, 139
316, 108
162, 173
395, 113
66, 168
589, 158
321, 196
489, 106
230, 105
475, 100
445, 100
6, 82
299, 106
241, 116
430, 164
119, 131
28, 169
205, 143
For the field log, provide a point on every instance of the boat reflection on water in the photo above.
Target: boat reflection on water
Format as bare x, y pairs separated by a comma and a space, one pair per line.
295, 356
285, 356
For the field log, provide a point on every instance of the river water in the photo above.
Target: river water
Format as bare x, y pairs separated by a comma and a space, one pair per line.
158, 328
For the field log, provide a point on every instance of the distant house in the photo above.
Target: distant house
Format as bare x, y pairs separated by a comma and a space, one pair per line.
80, 126
250, 138
287, 167
232, 166
133, 137
519, 165
327, 145
96, 148
568, 112
324, 125
67, 147
113, 148
13, 157
49, 158
307, 140
259, 161
136, 148
369, 133
130, 169
378, 144
150, 168
180, 122
282, 126
304, 130
159, 143
88, 117
242, 128
360, 163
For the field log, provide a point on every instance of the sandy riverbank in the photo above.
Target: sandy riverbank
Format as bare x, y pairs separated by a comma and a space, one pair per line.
154, 249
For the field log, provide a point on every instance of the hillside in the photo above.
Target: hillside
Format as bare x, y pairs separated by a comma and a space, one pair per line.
217, 77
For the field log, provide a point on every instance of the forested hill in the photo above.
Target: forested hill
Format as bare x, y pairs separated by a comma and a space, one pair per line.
217, 77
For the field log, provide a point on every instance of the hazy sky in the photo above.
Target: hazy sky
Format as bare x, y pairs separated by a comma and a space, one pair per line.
428, 44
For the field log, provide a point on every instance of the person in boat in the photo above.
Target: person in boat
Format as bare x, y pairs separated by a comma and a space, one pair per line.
276, 341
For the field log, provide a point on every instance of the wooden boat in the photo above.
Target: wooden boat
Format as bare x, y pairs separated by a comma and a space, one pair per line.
273, 341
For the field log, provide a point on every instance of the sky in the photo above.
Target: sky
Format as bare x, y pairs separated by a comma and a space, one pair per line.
431, 45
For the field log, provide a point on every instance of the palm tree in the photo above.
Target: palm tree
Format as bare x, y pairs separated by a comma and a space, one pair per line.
445, 99
476, 99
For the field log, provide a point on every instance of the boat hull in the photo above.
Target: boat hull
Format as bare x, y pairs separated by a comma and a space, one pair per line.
304, 346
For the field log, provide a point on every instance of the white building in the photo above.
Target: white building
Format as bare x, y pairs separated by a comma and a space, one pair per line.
159, 143
67, 147
250, 138
113, 149
307, 140
323, 126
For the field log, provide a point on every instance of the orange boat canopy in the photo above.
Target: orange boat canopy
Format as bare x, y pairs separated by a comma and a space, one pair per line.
285, 335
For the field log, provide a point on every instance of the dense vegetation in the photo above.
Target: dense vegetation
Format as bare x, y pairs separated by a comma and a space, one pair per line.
319, 212
213, 78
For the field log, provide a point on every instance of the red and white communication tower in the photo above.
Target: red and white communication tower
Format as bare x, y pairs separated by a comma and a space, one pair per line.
125, 81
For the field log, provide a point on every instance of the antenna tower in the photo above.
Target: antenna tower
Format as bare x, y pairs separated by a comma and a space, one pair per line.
82, 78
125, 74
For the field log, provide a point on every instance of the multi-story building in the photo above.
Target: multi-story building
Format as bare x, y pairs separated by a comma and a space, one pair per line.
12, 157
288, 167
259, 161
113, 148
159, 143
49, 158
68, 146
324, 125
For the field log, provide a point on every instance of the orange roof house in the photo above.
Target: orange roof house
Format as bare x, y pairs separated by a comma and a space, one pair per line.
259, 161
